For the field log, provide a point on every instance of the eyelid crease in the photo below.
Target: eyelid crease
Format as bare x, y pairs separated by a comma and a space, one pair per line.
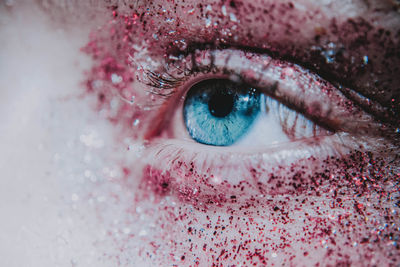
384, 114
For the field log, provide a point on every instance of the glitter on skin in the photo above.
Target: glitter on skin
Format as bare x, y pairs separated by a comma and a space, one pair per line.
339, 211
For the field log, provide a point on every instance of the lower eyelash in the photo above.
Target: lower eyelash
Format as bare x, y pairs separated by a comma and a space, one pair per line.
174, 167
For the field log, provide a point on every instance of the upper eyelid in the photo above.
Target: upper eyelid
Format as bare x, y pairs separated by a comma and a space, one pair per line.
176, 54
383, 114
165, 83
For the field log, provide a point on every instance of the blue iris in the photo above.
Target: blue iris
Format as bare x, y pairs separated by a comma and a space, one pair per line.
219, 111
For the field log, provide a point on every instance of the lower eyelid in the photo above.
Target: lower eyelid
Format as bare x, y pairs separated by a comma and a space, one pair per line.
173, 161
337, 144
212, 171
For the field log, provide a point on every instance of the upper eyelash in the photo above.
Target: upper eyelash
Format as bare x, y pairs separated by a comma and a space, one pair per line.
385, 114
163, 84
166, 84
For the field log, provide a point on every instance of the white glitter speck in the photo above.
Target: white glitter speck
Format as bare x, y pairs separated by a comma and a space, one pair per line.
232, 17
223, 9
208, 22
365, 60
116, 79
216, 180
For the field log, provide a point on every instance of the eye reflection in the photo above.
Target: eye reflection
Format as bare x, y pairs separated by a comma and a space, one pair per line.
219, 111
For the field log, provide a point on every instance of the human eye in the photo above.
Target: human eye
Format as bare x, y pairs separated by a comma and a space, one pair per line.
230, 107
282, 100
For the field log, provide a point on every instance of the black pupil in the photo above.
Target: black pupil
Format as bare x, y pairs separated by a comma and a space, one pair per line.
221, 104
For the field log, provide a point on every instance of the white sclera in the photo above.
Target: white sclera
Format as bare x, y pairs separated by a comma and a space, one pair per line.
266, 129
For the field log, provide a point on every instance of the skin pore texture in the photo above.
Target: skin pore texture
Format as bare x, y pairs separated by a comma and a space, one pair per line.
100, 171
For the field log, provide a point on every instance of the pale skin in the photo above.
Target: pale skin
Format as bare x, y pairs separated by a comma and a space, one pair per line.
73, 190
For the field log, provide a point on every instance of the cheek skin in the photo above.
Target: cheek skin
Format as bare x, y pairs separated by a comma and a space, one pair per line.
346, 216
334, 210
343, 215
